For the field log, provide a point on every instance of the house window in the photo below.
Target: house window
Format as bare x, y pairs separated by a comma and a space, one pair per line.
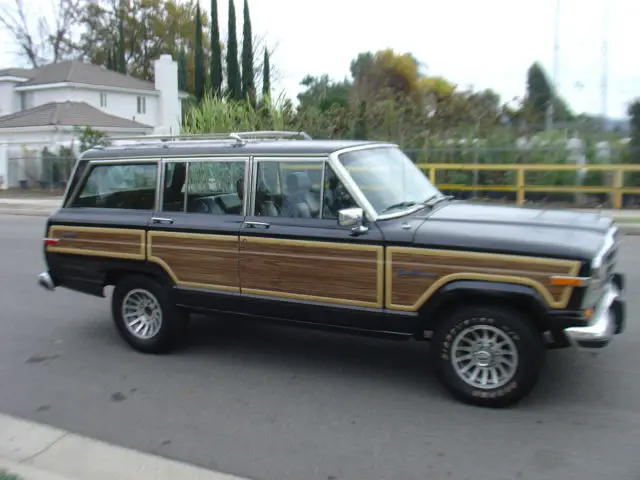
26, 100
142, 105
103, 99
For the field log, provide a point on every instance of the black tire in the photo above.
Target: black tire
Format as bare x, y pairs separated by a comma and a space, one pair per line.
173, 321
514, 330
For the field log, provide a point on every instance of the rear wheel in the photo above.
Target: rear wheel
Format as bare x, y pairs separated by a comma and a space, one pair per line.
146, 317
488, 355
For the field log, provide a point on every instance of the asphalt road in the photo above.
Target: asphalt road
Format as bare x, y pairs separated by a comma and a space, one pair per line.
279, 404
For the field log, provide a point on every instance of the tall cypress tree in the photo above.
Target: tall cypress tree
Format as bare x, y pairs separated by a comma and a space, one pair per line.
183, 78
234, 84
248, 83
266, 75
198, 68
216, 53
122, 62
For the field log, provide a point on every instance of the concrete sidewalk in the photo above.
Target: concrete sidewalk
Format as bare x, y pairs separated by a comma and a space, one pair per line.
34, 451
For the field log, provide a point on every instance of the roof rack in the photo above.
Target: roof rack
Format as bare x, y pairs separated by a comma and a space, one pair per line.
241, 138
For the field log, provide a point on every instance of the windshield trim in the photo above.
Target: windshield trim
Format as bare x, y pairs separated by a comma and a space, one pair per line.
348, 181
354, 189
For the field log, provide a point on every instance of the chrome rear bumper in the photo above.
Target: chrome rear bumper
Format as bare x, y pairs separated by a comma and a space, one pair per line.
46, 282
607, 320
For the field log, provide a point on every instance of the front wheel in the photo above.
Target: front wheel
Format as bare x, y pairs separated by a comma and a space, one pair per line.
146, 317
488, 356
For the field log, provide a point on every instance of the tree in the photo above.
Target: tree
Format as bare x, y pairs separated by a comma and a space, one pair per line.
183, 75
266, 75
216, 51
90, 138
234, 85
248, 81
110, 62
322, 93
51, 42
634, 113
199, 58
540, 95
122, 62
151, 28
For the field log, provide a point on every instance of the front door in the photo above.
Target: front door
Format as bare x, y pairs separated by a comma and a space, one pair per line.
292, 248
194, 234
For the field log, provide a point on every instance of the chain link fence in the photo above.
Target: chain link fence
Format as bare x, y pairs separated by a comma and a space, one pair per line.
45, 169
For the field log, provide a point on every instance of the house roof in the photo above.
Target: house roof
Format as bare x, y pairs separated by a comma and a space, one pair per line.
17, 72
73, 71
66, 114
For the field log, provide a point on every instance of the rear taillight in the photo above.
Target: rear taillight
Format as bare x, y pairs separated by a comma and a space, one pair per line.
50, 242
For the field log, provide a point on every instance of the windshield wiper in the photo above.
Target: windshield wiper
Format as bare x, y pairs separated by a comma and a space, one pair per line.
433, 199
399, 205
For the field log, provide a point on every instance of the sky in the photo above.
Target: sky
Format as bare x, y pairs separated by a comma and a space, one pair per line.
488, 44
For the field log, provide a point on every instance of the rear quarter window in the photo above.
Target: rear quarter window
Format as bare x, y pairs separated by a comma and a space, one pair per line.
122, 186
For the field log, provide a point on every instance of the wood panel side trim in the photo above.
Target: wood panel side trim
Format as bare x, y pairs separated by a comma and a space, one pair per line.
119, 243
535, 272
297, 252
202, 254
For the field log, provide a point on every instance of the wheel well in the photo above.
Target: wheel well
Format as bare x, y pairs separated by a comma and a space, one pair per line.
529, 307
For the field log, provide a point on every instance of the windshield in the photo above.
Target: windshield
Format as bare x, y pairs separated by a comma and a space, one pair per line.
388, 179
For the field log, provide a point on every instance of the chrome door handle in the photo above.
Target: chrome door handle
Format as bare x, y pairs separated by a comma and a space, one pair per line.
161, 220
257, 225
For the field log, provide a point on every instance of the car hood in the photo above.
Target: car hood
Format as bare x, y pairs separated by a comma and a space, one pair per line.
515, 230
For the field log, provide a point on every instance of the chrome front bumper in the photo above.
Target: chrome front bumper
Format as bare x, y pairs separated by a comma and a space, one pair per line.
46, 282
606, 321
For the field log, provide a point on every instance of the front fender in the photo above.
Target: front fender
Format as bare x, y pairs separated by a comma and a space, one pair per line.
460, 292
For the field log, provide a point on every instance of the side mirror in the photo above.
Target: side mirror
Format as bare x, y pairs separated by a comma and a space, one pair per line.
353, 217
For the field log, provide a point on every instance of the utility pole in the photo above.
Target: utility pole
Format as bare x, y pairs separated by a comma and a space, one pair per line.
556, 67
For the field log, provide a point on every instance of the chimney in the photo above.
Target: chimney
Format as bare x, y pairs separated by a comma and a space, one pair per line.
169, 111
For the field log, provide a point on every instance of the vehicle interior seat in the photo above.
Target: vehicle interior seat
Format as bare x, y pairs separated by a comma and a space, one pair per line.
300, 203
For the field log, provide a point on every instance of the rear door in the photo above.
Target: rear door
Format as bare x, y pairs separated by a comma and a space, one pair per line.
194, 234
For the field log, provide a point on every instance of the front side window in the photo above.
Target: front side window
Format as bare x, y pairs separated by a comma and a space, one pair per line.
288, 189
388, 179
130, 187
215, 187
299, 189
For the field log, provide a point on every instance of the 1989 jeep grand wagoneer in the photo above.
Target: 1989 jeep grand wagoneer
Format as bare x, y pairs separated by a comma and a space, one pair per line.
348, 235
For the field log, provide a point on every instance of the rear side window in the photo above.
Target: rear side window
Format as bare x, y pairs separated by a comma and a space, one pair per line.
123, 186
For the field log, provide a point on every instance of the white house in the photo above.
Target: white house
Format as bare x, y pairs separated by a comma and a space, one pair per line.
45, 107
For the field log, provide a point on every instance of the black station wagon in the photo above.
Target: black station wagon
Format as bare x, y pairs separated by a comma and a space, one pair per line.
346, 235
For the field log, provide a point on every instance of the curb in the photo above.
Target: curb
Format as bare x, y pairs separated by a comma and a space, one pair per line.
35, 451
